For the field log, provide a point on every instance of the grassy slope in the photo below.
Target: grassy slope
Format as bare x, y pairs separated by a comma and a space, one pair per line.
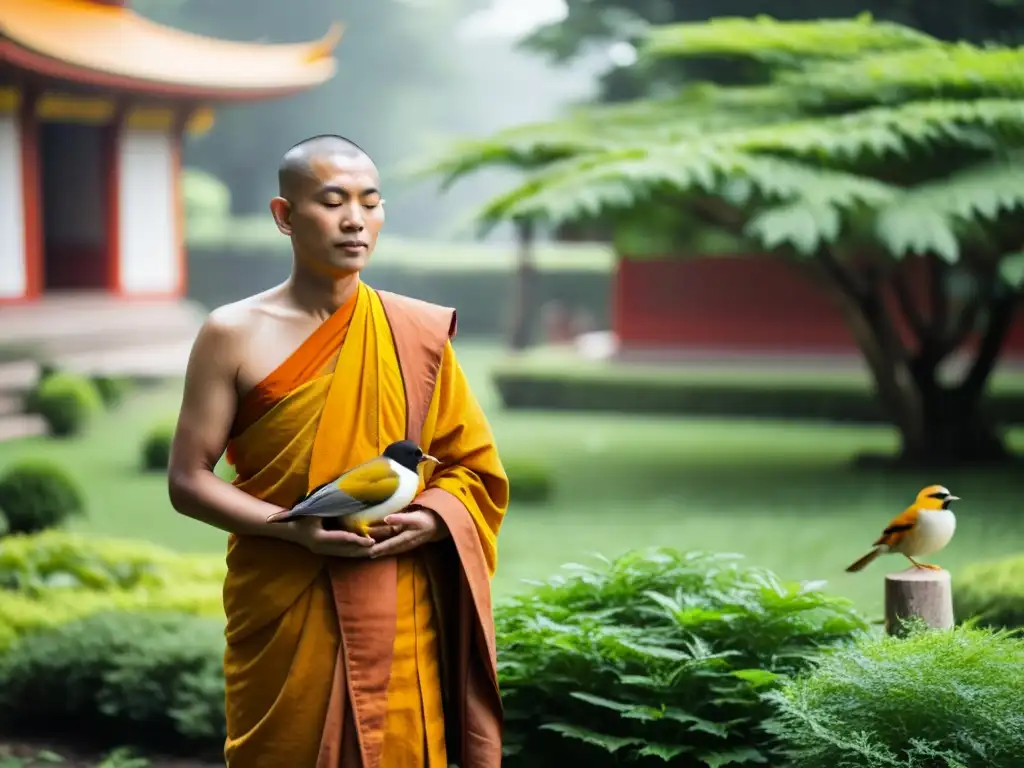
781, 494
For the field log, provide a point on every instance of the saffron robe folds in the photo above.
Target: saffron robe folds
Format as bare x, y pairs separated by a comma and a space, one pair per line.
355, 663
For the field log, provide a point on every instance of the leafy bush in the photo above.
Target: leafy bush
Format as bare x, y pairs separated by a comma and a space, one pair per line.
991, 592
145, 679
36, 494
529, 482
950, 698
67, 402
156, 448
54, 577
113, 389
58, 560
659, 655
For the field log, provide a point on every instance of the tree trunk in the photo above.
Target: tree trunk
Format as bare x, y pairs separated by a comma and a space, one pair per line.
521, 326
940, 424
954, 431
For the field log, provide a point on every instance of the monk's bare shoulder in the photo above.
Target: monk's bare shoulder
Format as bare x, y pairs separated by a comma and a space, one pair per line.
228, 332
241, 321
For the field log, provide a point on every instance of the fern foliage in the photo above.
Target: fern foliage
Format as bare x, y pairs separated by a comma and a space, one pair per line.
787, 43
948, 698
655, 658
863, 129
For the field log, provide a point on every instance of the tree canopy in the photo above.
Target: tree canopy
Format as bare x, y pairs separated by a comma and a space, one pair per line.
855, 145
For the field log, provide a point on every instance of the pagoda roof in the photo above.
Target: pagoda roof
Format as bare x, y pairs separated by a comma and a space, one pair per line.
112, 47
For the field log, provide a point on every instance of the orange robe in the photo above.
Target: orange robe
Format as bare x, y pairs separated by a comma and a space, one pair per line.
345, 662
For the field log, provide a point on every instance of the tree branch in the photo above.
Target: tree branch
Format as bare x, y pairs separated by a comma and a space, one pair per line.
861, 301
905, 298
843, 277
937, 272
1001, 311
965, 324
715, 211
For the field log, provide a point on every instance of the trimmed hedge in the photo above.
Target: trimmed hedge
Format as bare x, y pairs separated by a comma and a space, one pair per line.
113, 389
992, 593
68, 402
582, 386
142, 679
529, 482
36, 494
156, 447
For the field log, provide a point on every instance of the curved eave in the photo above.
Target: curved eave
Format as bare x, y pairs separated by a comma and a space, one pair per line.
114, 48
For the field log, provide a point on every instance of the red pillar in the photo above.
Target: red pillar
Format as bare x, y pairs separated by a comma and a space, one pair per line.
32, 195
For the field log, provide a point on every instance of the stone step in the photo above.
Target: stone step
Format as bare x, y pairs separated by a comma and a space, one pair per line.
18, 377
11, 405
73, 324
16, 427
164, 360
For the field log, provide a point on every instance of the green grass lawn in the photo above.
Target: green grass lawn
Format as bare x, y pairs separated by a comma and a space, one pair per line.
781, 494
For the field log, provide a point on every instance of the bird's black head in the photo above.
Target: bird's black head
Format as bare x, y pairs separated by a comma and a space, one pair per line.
407, 454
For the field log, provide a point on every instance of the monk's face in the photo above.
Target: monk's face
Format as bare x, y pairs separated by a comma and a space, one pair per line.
335, 218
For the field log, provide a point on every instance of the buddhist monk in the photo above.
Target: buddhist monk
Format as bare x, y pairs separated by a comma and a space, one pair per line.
367, 649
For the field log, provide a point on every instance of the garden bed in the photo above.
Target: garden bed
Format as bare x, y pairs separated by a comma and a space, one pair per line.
547, 380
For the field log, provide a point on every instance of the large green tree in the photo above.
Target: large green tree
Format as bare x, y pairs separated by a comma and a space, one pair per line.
868, 145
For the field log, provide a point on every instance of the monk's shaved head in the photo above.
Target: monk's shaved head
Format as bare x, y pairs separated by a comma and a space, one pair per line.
298, 166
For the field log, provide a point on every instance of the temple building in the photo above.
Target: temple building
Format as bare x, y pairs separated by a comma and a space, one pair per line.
94, 103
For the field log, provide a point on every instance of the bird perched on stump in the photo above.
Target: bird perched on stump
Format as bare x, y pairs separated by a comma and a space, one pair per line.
367, 493
923, 528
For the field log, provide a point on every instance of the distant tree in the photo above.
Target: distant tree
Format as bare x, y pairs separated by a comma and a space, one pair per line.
868, 145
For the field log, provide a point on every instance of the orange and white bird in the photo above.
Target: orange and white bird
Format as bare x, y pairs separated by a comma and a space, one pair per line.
923, 528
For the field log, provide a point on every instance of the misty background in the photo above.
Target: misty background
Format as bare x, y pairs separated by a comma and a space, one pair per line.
412, 75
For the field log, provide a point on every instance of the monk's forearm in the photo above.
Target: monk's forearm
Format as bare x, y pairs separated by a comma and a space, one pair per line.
203, 496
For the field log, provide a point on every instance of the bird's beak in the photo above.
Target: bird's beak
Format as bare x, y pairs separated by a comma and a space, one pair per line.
952, 498
428, 457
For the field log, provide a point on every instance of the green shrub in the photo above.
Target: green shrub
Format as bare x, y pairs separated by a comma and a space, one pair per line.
950, 698
529, 482
113, 389
55, 577
140, 679
36, 494
156, 448
659, 655
67, 402
992, 592
58, 560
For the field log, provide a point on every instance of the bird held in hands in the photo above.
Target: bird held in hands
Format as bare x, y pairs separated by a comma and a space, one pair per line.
923, 528
366, 494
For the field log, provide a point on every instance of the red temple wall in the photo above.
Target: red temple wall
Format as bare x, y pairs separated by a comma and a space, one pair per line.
752, 303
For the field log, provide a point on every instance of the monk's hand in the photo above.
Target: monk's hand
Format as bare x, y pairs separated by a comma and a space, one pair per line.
310, 533
413, 528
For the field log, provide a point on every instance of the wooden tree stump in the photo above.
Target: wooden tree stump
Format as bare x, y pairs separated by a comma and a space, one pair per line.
918, 592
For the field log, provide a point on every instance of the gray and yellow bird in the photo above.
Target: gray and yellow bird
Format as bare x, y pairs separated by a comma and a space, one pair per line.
367, 493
